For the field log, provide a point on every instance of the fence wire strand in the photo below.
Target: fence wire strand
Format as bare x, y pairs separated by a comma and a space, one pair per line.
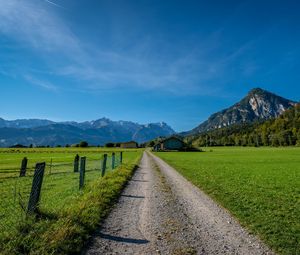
59, 188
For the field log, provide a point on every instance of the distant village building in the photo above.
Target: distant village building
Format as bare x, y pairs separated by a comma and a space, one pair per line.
171, 143
131, 144
156, 147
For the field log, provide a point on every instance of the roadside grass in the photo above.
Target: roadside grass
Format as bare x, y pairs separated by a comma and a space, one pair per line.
259, 186
67, 216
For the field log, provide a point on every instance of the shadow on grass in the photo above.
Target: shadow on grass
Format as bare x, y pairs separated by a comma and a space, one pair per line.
42, 215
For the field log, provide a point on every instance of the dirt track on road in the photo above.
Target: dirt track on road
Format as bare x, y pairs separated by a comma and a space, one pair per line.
160, 212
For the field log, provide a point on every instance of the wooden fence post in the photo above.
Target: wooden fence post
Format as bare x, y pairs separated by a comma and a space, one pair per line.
50, 170
121, 157
36, 188
104, 164
76, 163
113, 160
82, 172
23, 167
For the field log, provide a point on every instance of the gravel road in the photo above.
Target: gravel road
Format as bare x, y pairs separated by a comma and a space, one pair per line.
160, 212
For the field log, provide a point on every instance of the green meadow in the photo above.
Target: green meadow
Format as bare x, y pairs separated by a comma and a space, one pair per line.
10, 159
64, 209
259, 186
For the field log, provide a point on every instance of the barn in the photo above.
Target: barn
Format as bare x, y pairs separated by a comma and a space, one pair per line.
171, 143
131, 144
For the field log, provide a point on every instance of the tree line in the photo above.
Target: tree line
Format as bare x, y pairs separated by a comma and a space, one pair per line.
281, 131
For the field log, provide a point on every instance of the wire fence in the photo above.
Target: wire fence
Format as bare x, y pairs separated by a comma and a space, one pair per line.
47, 188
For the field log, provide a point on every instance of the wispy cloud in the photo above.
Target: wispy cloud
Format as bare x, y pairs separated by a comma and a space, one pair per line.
31, 23
55, 4
40, 83
93, 67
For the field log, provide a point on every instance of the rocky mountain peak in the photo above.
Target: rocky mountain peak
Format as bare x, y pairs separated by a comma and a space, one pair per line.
266, 105
257, 91
257, 105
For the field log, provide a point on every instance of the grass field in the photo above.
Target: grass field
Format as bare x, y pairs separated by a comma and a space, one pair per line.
10, 159
259, 186
60, 191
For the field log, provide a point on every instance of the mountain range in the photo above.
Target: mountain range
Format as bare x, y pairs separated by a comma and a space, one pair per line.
257, 105
98, 132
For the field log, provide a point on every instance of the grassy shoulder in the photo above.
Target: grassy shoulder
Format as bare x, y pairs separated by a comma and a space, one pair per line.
67, 231
259, 186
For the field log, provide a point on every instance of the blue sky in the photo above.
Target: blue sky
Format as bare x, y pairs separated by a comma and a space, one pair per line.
144, 61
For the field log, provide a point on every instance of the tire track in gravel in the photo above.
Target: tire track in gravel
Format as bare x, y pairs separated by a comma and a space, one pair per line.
160, 212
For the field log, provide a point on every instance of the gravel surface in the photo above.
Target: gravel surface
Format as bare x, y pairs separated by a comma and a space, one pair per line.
160, 212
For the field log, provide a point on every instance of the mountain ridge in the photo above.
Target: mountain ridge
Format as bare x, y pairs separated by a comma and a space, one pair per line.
281, 131
96, 132
257, 105
34, 122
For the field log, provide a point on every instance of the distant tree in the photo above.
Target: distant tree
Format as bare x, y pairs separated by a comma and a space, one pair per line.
109, 145
298, 138
83, 144
58, 146
18, 146
67, 145
31, 145
237, 141
152, 143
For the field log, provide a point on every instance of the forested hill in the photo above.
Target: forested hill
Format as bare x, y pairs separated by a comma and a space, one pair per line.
281, 131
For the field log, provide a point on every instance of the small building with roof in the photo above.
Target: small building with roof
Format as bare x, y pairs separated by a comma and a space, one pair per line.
170, 143
129, 145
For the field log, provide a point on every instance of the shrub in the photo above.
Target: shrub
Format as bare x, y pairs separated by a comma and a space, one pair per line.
83, 144
109, 145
